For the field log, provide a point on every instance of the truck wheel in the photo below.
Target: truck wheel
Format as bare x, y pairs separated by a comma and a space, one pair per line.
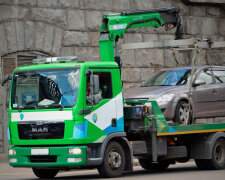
114, 161
203, 164
181, 113
45, 173
183, 160
218, 157
148, 165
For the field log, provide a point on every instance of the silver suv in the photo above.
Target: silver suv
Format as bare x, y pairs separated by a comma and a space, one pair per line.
170, 89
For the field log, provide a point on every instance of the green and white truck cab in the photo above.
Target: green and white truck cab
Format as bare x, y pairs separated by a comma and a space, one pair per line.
48, 107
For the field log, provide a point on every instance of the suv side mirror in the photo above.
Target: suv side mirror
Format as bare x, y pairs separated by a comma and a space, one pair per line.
198, 82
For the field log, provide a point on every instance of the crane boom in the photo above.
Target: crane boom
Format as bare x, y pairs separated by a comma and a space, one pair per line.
114, 26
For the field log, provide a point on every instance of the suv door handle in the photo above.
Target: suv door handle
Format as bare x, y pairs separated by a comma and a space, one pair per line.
214, 91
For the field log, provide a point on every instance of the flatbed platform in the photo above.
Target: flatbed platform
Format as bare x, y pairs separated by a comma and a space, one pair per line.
165, 129
192, 129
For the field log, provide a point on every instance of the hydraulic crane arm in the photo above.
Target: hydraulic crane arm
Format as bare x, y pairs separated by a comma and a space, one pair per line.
114, 26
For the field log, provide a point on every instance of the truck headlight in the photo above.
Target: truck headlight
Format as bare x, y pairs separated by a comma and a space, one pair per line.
75, 151
12, 152
165, 98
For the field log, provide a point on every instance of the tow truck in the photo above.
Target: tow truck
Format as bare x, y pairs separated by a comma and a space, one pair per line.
53, 127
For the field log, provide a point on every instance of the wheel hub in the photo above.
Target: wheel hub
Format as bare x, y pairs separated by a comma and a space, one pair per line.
183, 113
114, 159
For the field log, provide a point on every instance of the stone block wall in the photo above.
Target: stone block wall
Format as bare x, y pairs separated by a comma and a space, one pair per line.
70, 27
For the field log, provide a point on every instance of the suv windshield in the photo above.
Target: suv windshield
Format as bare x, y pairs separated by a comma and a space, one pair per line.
44, 89
168, 78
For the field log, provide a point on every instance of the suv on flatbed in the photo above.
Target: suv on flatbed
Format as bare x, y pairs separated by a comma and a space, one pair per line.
170, 89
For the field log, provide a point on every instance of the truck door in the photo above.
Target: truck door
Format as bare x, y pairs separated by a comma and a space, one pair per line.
104, 115
205, 96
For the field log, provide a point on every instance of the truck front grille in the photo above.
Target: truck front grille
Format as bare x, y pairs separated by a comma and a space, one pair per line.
43, 159
44, 130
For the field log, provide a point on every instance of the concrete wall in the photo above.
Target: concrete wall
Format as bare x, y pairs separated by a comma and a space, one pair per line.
70, 27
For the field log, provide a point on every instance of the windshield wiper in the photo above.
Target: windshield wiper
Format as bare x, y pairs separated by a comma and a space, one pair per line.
144, 86
20, 108
30, 106
57, 105
164, 85
27, 107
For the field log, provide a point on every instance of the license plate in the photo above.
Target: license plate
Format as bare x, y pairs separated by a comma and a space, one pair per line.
39, 151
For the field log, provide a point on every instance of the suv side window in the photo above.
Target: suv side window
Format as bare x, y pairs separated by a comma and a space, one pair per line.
206, 75
219, 75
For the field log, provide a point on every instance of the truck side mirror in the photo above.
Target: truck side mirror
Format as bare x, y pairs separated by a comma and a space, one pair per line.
6, 79
198, 82
94, 80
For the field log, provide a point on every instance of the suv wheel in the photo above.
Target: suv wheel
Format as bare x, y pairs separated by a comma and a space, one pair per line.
181, 113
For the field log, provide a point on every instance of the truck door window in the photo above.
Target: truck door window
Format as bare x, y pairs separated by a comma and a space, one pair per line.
88, 91
105, 85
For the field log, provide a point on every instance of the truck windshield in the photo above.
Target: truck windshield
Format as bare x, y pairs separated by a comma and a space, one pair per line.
45, 89
168, 78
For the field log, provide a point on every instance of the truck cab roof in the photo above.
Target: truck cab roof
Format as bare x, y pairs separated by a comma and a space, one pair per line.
76, 64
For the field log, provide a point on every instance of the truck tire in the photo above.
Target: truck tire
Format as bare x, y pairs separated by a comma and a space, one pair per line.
180, 114
218, 157
183, 160
203, 164
45, 173
218, 160
148, 165
114, 161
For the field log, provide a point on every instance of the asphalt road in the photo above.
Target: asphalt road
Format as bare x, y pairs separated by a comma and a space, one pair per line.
187, 171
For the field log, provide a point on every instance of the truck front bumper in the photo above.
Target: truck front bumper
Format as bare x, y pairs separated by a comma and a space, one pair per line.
66, 156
